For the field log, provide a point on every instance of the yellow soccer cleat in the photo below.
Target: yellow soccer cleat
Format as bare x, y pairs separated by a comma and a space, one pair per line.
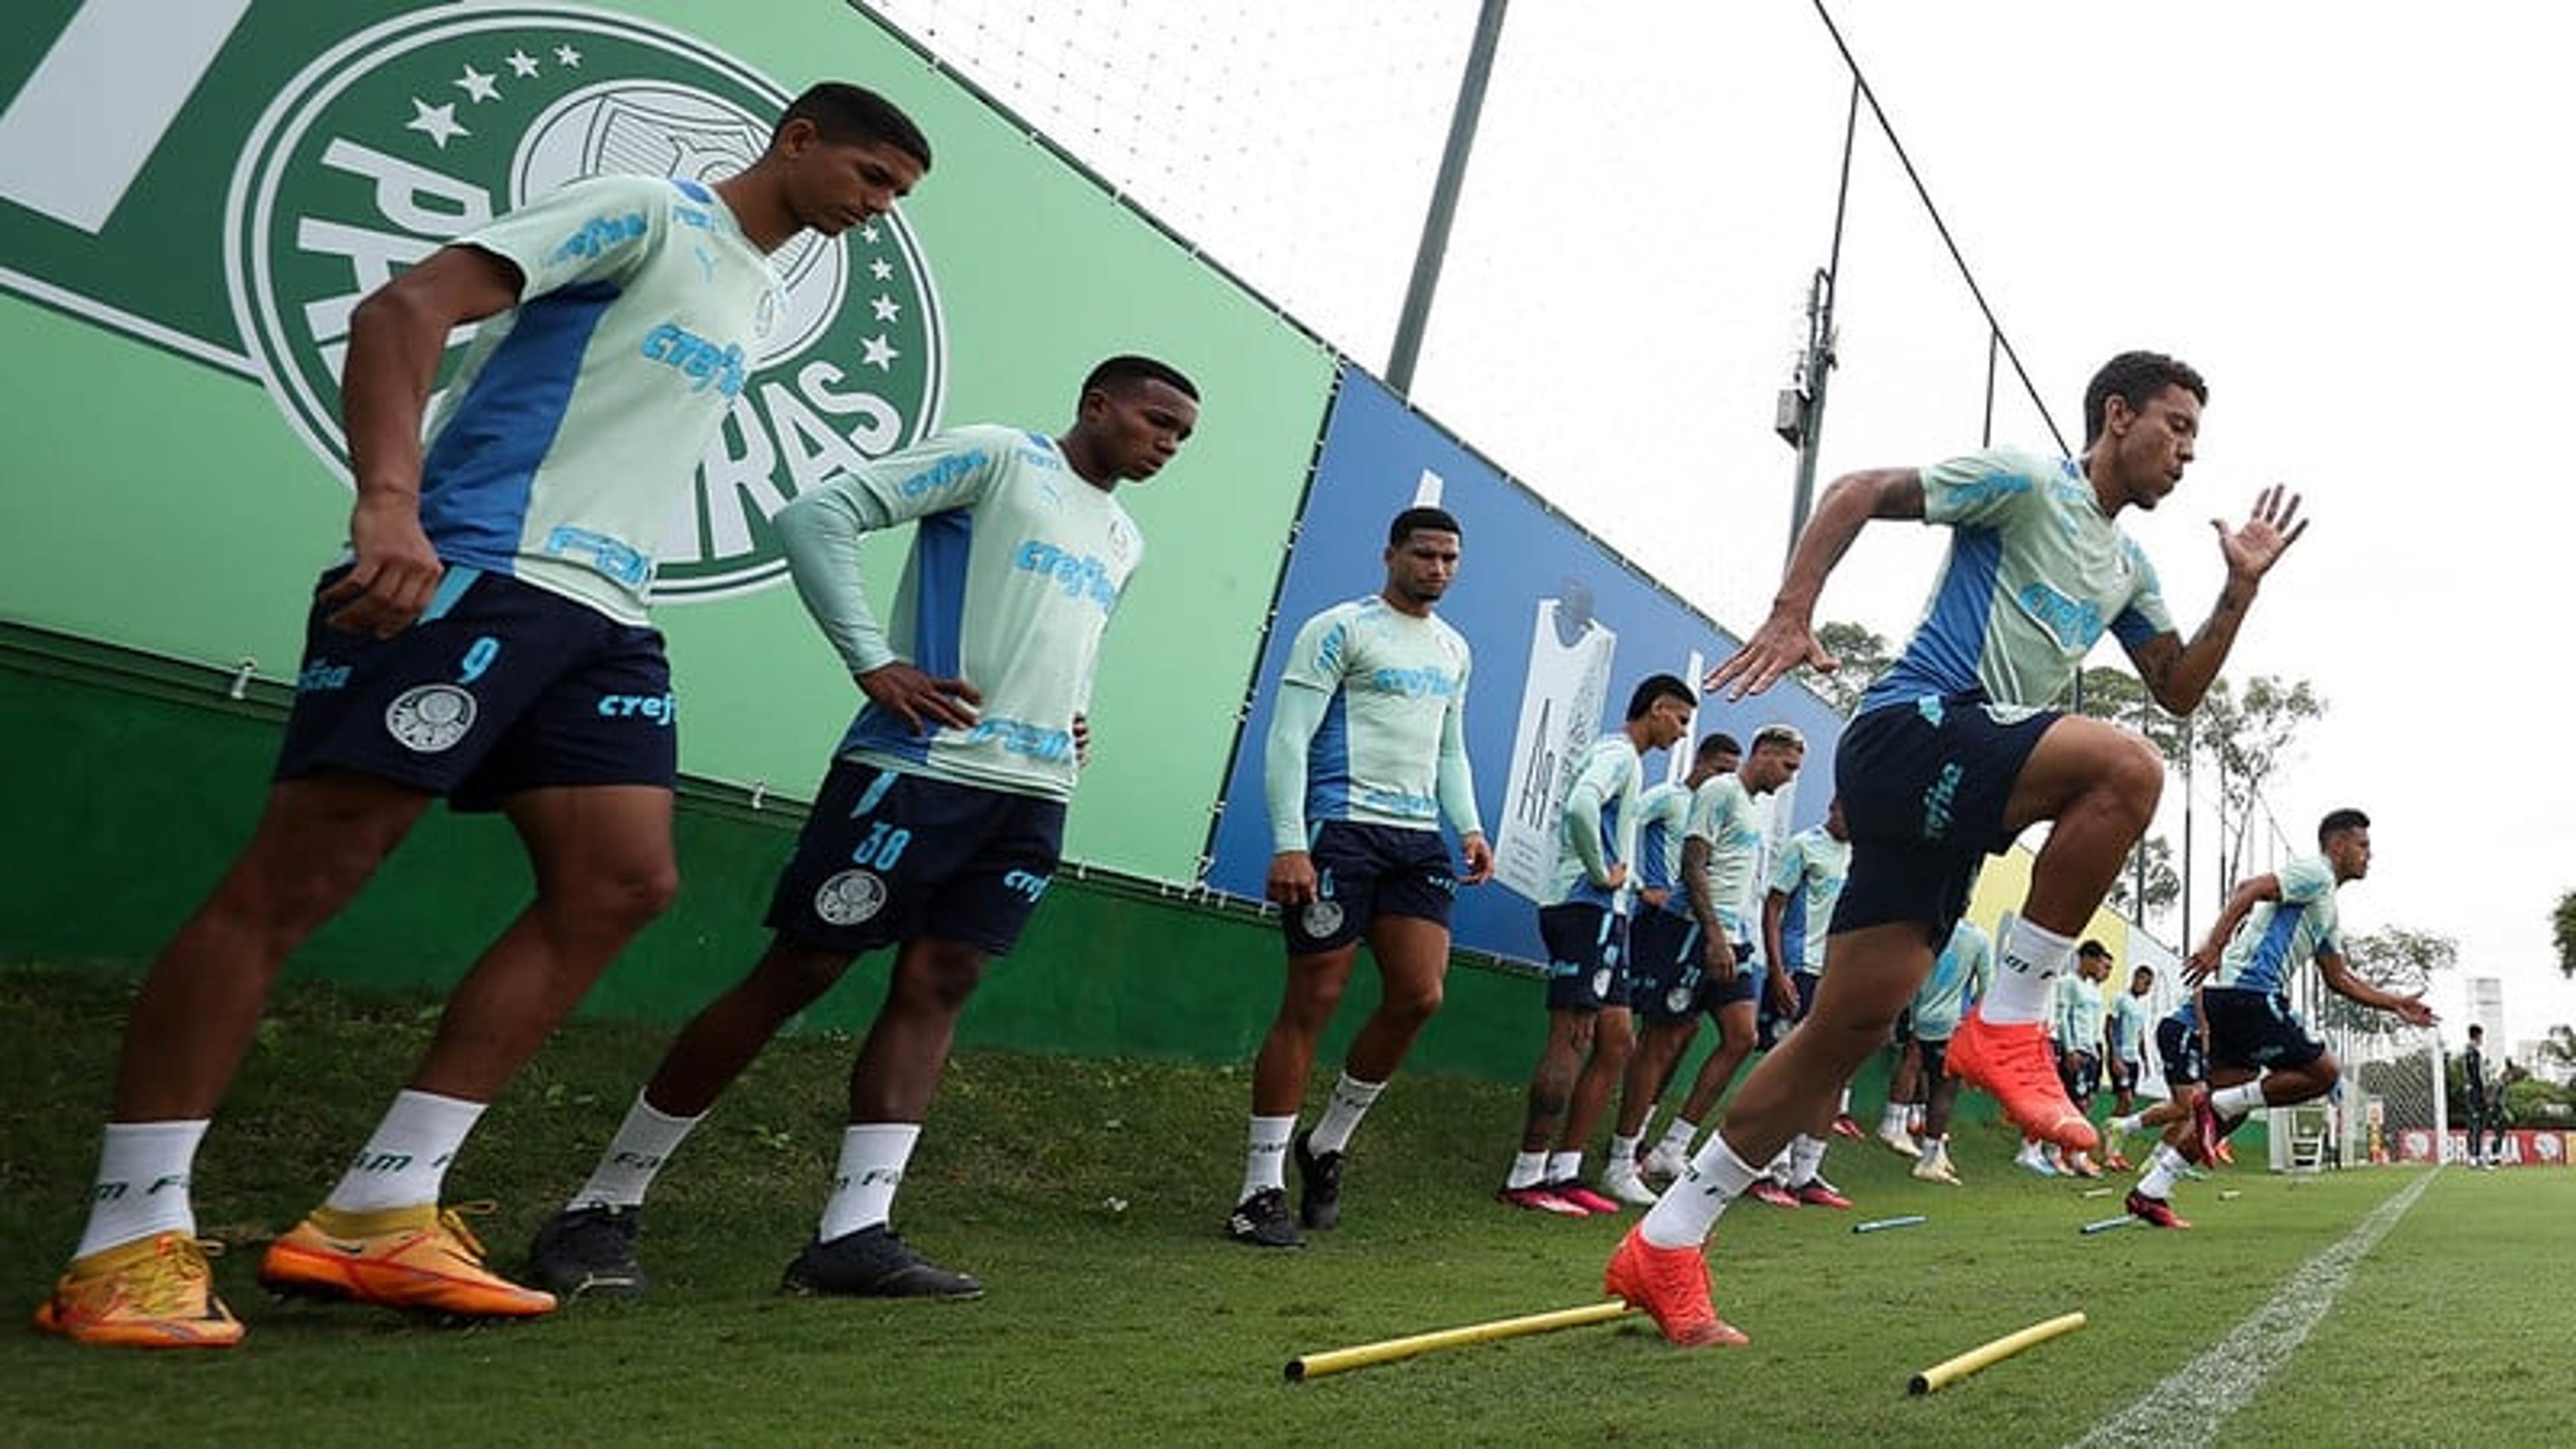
155, 1292
417, 1259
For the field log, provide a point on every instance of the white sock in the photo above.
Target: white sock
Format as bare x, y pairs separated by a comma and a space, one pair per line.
1892, 1120
2123, 1126
872, 1159
1678, 1136
643, 1143
1529, 1169
1683, 1217
1806, 1156
2164, 1165
1624, 1149
142, 1185
405, 1163
1350, 1102
2029, 1150
1565, 1167
2234, 1102
1265, 1163
1842, 1104
2026, 969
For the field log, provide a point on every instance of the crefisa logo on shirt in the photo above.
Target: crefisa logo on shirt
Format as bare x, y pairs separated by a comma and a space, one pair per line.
429, 125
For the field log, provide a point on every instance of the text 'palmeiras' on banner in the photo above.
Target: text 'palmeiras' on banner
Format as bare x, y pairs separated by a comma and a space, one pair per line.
1561, 629
366, 151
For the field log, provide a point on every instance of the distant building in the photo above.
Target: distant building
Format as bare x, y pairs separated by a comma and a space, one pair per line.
2486, 1008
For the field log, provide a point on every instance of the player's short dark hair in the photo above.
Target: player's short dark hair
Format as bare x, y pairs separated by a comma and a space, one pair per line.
2339, 821
847, 115
2135, 378
1721, 743
1421, 517
2094, 948
2476, 1031
1780, 736
1127, 369
1659, 686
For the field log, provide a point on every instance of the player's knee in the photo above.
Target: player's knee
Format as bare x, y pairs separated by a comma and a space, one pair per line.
1412, 1003
631, 896
940, 976
2134, 776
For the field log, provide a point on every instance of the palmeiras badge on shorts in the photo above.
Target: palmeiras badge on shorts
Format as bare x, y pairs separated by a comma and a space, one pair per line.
430, 718
427, 126
850, 898
1321, 918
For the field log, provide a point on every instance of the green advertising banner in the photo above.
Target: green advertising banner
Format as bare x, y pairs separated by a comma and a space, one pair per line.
194, 196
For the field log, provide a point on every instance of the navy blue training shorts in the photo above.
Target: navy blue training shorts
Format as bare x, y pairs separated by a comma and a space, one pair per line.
1587, 956
1363, 872
499, 687
1924, 787
887, 857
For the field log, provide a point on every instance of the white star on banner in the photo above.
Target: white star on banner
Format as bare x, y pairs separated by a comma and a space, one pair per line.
880, 354
567, 57
881, 269
887, 308
478, 86
522, 64
438, 123
868, 233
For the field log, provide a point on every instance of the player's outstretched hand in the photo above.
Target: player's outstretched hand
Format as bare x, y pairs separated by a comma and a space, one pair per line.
2414, 1012
1480, 860
394, 578
2198, 966
1784, 642
2274, 525
920, 700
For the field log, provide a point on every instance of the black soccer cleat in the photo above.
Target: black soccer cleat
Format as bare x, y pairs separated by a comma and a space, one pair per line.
1262, 1221
1319, 1181
872, 1263
589, 1252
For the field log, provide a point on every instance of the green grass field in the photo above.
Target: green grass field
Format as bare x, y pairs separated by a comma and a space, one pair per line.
1139, 1324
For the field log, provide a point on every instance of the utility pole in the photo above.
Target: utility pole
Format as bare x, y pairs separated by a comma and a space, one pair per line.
1416, 317
1799, 418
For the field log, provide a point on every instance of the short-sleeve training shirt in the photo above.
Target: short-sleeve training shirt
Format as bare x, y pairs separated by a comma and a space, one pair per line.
2277, 937
565, 443
1722, 814
1810, 872
2036, 573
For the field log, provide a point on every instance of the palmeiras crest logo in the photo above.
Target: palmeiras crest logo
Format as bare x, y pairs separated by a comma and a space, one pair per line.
427, 126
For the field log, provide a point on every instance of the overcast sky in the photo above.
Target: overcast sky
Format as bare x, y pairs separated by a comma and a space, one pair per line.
2349, 217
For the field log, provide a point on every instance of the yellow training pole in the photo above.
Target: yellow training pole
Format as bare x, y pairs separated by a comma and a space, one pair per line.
1951, 1370
1333, 1361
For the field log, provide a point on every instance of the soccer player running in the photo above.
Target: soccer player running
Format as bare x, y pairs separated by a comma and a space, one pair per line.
1719, 858
1583, 921
1663, 960
1952, 754
937, 827
2256, 1050
493, 597
1367, 751
1959, 978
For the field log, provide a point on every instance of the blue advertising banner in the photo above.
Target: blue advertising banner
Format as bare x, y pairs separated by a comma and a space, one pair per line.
1562, 628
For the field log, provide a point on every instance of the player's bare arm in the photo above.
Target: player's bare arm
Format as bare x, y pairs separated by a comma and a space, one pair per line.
2344, 982
396, 337
2240, 903
2178, 674
1787, 638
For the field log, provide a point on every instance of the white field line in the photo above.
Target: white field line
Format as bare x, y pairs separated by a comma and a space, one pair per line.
2188, 1407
